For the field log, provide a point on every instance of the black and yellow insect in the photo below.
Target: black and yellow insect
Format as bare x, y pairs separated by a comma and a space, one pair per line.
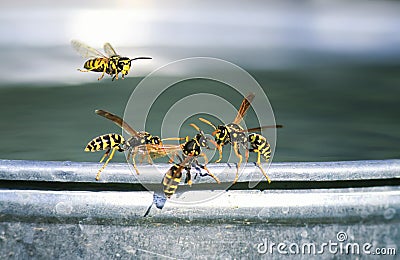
260, 145
191, 151
139, 143
173, 176
112, 64
234, 134
192, 147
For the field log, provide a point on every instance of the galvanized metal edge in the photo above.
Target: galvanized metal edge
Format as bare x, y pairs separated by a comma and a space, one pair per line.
376, 205
56, 171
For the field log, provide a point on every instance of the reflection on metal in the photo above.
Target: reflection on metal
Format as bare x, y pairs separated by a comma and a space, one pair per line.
51, 171
48, 206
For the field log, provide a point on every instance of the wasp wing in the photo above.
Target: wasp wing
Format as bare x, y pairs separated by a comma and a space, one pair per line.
109, 50
158, 151
244, 107
118, 121
86, 51
256, 129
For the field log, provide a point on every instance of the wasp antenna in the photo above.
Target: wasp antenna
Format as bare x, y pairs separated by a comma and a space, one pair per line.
179, 158
207, 122
141, 58
99, 111
195, 127
173, 139
213, 142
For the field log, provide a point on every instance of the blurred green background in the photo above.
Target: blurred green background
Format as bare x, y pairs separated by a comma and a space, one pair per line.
331, 113
331, 71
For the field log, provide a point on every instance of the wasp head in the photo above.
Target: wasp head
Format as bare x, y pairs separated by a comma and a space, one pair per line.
124, 65
155, 140
221, 134
201, 139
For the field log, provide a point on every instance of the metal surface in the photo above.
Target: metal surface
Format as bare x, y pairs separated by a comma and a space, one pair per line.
121, 173
58, 210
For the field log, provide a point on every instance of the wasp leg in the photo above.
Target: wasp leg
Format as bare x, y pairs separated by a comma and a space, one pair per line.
188, 178
247, 155
172, 157
102, 75
205, 157
259, 166
149, 159
105, 164
236, 149
105, 155
134, 153
141, 159
104, 71
88, 70
116, 74
81, 70
208, 172
219, 147
129, 156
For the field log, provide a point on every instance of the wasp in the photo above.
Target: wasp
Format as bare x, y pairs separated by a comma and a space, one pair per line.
234, 134
191, 151
193, 148
139, 143
111, 63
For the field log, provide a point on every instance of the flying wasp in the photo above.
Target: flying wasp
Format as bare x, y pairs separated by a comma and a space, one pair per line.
139, 143
234, 134
111, 63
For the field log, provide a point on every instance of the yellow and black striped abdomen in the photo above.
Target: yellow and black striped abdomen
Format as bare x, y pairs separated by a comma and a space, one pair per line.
172, 179
104, 142
97, 65
266, 151
260, 144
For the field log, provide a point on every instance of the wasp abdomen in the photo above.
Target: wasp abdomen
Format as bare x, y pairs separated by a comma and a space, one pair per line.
104, 142
259, 143
172, 179
96, 65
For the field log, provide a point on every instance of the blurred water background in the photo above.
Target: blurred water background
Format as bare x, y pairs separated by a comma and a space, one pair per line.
331, 70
